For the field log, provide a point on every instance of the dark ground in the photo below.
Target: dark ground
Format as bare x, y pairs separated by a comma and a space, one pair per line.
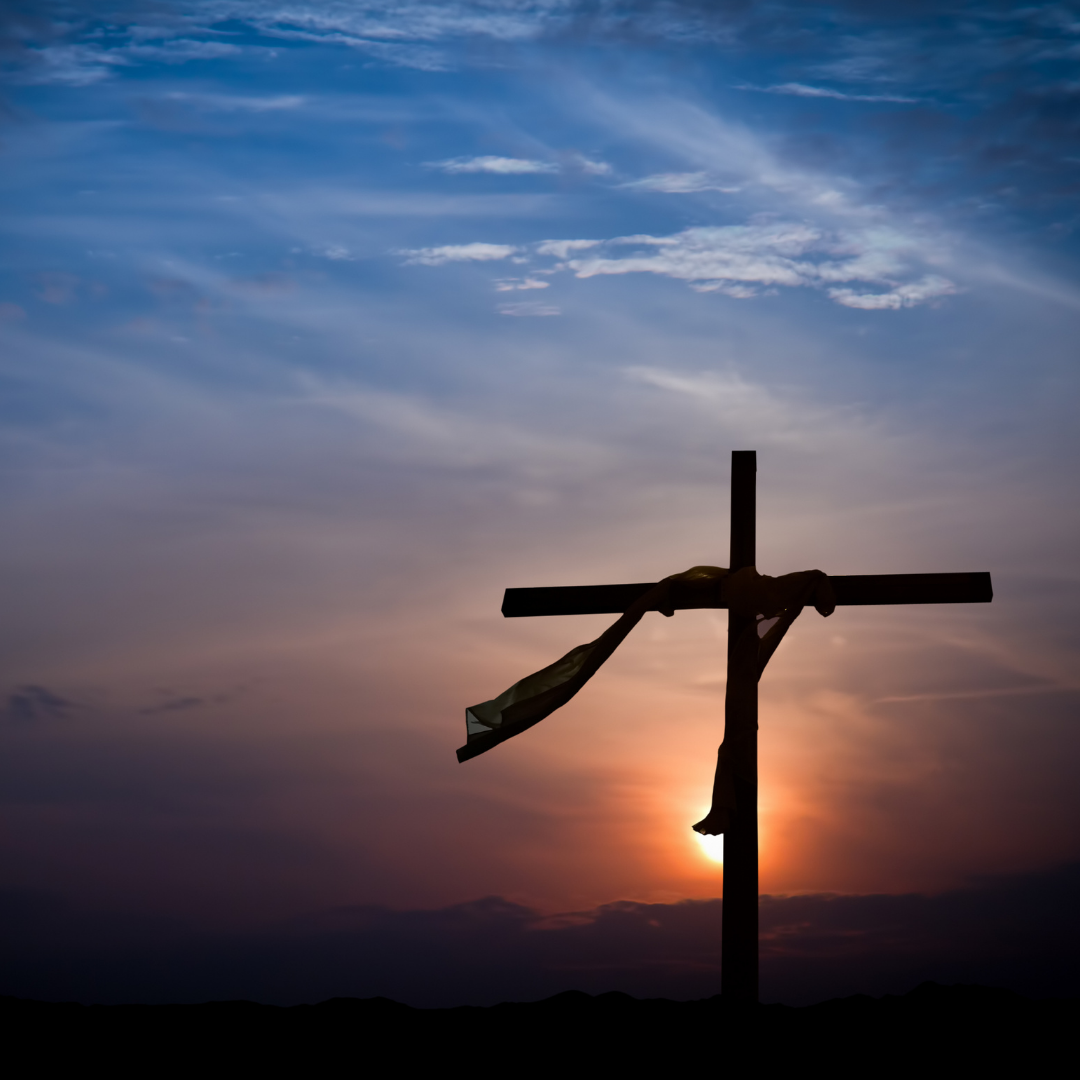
1017, 931
932, 1029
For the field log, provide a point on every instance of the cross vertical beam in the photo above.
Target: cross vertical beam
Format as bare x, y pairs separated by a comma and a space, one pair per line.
739, 932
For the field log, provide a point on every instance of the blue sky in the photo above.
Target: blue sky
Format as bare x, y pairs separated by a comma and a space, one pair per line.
320, 324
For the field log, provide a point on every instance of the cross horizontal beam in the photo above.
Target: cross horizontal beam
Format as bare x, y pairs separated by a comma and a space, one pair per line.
850, 590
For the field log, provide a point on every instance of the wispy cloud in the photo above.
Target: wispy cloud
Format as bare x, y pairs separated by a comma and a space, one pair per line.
71, 65
82, 64
782, 418
512, 284
777, 254
436, 256
366, 21
931, 287
795, 89
719, 147
238, 103
561, 248
588, 166
430, 432
509, 166
741, 260
182, 50
529, 308
503, 166
33, 704
679, 183
336, 253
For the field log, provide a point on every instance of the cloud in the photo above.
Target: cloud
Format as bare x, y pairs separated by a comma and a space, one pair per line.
930, 287
398, 53
736, 292
506, 166
291, 202
802, 90
478, 252
679, 183
561, 248
409, 33
239, 103
174, 705
32, 704
82, 64
71, 65
953, 53
589, 167
529, 307
512, 284
180, 51
368, 22
685, 132
750, 409
745, 261
502, 166
740, 260
428, 433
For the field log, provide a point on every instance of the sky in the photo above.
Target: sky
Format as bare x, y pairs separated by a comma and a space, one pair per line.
323, 323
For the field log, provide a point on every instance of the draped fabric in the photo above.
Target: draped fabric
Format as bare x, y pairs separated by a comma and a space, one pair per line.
537, 696
759, 599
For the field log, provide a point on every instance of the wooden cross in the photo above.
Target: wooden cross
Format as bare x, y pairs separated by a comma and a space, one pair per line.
739, 933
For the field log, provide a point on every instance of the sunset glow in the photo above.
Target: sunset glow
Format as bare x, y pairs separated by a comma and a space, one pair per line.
712, 847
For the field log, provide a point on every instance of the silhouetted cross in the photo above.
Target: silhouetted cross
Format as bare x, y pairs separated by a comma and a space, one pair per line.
739, 938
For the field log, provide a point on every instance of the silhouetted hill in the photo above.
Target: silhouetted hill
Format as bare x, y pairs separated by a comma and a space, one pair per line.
931, 1028
1018, 931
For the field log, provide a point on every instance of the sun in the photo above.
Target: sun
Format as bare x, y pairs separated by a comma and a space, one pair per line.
712, 847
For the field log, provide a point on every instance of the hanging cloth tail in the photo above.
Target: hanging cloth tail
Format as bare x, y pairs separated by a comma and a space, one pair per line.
538, 695
533, 698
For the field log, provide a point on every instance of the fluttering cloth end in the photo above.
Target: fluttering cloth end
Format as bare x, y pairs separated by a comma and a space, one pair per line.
538, 695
